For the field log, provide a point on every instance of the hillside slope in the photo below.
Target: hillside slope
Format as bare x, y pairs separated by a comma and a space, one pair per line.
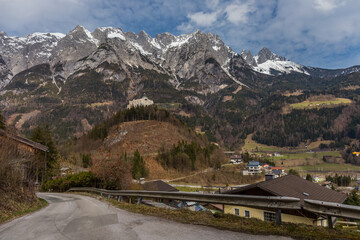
146, 136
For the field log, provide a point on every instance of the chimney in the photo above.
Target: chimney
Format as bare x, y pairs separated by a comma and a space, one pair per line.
269, 176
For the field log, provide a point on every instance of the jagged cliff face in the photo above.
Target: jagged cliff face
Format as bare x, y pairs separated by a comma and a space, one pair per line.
197, 61
75, 80
5, 73
21, 53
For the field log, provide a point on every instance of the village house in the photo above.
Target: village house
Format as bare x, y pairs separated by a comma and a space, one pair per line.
278, 171
252, 168
235, 159
286, 186
265, 167
144, 101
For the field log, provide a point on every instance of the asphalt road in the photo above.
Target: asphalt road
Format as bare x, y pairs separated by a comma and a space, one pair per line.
80, 217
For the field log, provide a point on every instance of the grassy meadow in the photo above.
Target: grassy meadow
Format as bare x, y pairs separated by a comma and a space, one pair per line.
309, 104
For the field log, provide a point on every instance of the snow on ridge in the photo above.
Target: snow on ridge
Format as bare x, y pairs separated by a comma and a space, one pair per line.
155, 43
180, 40
58, 35
116, 33
280, 66
105, 28
216, 48
90, 37
138, 47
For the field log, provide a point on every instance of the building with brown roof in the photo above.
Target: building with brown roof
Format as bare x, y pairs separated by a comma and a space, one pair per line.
19, 154
158, 185
289, 186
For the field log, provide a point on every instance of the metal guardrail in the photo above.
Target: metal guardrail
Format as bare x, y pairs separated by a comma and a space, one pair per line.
332, 209
273, 202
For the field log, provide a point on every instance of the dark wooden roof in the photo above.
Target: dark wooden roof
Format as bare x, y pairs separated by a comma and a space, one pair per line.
24, 141
158, 185
293, 186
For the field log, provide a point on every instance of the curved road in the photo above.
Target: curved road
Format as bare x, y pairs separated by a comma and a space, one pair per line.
80, 217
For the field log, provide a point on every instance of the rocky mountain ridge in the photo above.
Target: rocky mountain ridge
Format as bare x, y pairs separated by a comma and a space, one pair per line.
73, 81
269, 63
176, 56
80, 49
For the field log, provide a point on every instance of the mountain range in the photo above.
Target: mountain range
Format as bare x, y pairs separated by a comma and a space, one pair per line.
75, 80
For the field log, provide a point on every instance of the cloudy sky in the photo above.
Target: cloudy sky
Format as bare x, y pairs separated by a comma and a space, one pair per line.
321, 33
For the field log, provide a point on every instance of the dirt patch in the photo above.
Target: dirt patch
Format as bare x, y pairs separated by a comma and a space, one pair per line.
11, 119
353, 87
85, 125
25, 117
237, 90
289, 94
227, 98
183, 113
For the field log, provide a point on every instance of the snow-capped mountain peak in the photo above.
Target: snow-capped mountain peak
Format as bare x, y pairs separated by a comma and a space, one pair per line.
269, 63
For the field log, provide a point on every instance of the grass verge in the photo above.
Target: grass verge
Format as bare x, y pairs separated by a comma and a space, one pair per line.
235, 223
20, 209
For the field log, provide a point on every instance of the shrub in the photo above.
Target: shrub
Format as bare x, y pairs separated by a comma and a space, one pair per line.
83, 179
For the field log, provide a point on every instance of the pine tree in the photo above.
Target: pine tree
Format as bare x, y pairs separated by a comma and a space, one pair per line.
353, 198
2, 122
309, 177
293, 172
139, 169
44, 137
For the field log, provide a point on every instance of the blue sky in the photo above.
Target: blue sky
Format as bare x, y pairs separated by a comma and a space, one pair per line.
320, 33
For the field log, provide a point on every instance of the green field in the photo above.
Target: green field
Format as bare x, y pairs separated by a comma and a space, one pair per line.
317, 155
319, 104
169, 106
329, 167
252, 146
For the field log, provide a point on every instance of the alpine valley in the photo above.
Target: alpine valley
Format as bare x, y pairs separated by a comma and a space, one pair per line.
73, 82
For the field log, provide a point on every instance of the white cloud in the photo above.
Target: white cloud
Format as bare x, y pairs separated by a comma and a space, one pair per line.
202, 19
312, 32
212, 4
238, 12
327, 5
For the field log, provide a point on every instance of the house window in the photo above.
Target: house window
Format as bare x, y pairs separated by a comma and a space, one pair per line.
236, 211
247, 213
269, 216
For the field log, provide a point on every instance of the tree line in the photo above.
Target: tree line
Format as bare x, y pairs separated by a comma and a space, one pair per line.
339, 180
100, 131
186, 156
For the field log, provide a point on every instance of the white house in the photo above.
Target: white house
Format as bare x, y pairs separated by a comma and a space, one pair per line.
253, 168
144, 101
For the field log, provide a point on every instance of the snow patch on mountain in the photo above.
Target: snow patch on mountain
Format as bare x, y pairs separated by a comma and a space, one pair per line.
286, 67
180, 40
269, 63
140, 48
116, 33
90, 37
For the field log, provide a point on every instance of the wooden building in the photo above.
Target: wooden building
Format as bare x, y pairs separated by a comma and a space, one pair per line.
20, 154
